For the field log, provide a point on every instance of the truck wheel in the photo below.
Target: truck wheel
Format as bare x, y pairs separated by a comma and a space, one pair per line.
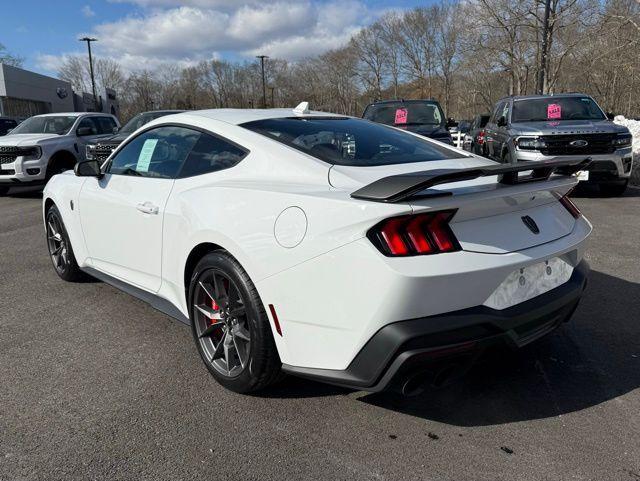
60, 163
614, 190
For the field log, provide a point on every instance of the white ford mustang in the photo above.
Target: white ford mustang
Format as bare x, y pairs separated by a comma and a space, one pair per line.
324, 246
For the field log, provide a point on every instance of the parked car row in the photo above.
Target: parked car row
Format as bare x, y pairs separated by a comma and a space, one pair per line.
44, 145
537, 128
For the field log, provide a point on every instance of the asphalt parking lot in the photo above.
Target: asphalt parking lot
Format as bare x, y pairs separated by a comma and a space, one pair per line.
97, 385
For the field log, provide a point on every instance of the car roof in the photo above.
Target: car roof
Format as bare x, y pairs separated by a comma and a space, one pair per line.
548, 96
241, 116
163, 111
73, 114
404, 101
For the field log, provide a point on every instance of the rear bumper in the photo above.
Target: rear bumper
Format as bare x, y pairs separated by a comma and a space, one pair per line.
399, 350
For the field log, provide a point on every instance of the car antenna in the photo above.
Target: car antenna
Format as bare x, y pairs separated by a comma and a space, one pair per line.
302, 108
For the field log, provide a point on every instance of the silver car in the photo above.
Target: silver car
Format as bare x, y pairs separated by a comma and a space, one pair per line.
558, 127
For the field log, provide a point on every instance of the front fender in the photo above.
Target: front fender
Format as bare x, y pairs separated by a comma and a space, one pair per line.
64, 190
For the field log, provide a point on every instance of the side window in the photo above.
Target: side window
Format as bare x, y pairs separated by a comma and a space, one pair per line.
88, 122
105, 124
211, 154
158, 152
505, 111
497, 112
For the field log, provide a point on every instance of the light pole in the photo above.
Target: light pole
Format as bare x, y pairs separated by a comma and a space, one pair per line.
93, 81
264, 87
273, 104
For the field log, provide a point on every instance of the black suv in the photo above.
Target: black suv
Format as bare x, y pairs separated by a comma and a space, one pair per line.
424, 117
103, 149
7, 124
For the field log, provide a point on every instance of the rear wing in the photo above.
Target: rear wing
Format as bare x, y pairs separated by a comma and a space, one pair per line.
400, 187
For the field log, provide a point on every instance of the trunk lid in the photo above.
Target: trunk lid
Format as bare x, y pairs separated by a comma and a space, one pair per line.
491, 217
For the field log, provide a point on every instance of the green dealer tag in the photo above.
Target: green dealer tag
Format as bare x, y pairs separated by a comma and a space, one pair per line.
144, 159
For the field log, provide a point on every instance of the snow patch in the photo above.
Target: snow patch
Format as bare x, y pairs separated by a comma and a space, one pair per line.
634, 128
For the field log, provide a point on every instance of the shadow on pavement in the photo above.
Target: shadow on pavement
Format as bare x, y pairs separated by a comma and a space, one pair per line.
592, 359
593, 192
25, 192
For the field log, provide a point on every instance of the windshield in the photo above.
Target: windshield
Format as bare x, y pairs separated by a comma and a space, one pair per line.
556, 108
50, 124
347, 141
405, 113
141, 119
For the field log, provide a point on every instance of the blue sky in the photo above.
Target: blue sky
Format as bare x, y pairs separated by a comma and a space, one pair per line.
145, 33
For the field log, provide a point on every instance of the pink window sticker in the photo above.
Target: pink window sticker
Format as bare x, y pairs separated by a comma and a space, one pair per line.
554, 111
401, 116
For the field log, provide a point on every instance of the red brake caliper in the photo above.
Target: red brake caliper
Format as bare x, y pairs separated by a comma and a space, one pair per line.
215, 307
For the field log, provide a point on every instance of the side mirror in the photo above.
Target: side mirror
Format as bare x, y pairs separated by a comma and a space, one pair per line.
502, 121
116, 130
88, 168
610, 115
451, 123
84, 131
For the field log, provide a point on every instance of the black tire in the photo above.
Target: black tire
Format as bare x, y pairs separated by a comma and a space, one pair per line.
4, 190
64, 261
614, 190
59, 164
261, 364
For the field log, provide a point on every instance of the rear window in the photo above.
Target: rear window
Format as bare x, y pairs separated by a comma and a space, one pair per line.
405, 113
348, 141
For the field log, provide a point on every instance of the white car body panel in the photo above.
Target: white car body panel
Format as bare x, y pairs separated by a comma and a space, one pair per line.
333, 290
137, 255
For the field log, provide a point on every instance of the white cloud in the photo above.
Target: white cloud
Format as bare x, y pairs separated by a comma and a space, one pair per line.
188, 31
88, 12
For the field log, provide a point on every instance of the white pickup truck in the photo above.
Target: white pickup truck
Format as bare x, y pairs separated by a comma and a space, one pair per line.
45, 145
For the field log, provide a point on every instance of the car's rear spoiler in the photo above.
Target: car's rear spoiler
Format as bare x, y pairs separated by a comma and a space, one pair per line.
397, 188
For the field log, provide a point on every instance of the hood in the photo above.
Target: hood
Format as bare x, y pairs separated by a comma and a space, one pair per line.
352, 178
433, 131
568, 127
115, 139
21, 140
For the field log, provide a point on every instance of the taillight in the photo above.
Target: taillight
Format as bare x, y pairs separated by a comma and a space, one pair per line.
412, 235
480, 138
570, 206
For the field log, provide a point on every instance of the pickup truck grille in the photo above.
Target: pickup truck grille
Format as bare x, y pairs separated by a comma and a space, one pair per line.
101, 152
561, 144
7, 158
8, 154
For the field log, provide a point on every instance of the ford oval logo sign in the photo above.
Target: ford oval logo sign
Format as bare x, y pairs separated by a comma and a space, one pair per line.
579, 143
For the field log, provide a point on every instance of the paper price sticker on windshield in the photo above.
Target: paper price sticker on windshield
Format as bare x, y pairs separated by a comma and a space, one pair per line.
554, 111
401, 116
144, 159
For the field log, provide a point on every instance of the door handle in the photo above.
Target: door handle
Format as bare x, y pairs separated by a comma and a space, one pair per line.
147, 208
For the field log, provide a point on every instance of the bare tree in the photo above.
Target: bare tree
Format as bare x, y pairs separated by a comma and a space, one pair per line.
9, 59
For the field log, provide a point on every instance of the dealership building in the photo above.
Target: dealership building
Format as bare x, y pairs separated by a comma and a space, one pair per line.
24, 93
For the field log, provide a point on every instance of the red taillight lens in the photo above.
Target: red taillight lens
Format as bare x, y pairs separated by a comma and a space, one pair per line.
480, 138
570, 206
392, 237
412, 235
